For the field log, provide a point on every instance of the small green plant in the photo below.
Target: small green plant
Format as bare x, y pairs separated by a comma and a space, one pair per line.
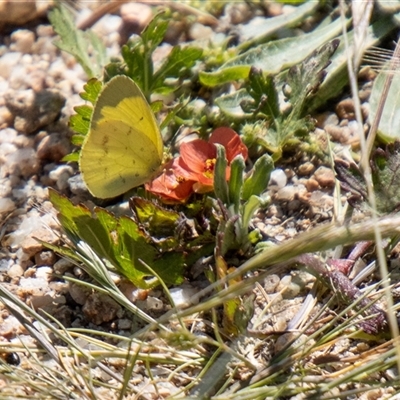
86, 47
385, 170
273, 124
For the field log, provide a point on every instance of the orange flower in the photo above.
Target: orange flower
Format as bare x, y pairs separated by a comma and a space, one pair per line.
193, 170
173, 184
199, 157
231, 141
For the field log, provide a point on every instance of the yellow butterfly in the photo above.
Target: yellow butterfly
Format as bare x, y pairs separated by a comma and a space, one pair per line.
124, 147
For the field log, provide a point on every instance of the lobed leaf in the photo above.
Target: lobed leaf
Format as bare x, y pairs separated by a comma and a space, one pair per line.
118, 240
77, 42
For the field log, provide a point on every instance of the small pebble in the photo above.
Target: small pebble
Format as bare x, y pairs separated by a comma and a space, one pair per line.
153, 303
271, 282
45, 258
8, 62
324, 176
278, 178
311, 185
200, 32
284, 282
15, 271
345, 109
287, 193
61, 175
22, 41
44, 272
6, 205
124, 324
135, 17
338, 133
291, 291
54, 147
327, 118
306, 169
61, 266
100, 308
181, 296
79, 293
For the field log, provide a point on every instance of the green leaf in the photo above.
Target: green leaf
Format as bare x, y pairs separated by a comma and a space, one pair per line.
337, 75
71, 157
118, 240
386, 178
80, 122
230, 239
137, 56
257, 33
154, 33
251, 206
178, 62
79, 44
272, 57
305, 78
231, 104
262, 90
157, 220
220, 184
258, 181
236, 182
388, 130
92, 90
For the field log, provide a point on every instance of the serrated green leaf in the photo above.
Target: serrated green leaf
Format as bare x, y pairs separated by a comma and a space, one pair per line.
258, 181
231, 104
92, 90
262, 89
154, 33
159, 221
80, 122
78, 43
272, 57
118, 240
179, 60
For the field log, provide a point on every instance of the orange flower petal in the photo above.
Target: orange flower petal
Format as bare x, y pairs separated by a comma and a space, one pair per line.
196, 153
231, 141
172, 184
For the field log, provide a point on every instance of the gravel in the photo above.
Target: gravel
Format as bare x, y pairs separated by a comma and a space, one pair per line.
39, 87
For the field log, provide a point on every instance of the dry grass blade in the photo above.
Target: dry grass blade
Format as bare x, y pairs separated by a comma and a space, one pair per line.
380, 59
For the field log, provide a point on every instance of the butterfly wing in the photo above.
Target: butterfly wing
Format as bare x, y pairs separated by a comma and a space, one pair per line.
124, 146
